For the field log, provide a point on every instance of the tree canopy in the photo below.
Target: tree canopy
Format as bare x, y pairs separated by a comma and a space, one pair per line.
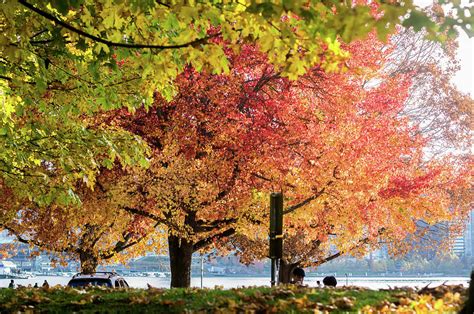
63, 60
357, 175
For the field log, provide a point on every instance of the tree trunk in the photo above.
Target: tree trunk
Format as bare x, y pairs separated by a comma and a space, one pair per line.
284, 271
89, 262
181, 252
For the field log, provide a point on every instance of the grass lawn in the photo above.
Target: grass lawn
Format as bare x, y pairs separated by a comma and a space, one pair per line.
282, 299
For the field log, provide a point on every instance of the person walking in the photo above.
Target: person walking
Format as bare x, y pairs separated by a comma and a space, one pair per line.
12, 284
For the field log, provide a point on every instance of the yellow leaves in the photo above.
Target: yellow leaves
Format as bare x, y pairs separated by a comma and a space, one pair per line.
428, 304
139, 299
216, 58
451, 297
230, 35
8, 102
344, 303
296, 68
333, 45
189, 13
439, 305
266, 42
86, 16
109, 18
141, 20
435, 302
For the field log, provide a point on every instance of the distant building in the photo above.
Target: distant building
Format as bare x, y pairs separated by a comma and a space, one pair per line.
463, 245
5, 238
216, 270
458, 247
7, 267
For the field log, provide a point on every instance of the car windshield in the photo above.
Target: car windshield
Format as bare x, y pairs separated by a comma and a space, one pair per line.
84, 282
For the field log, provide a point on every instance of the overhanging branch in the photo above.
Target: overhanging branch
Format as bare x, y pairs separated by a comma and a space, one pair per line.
206, 226
19, 238
105, 41
123, 245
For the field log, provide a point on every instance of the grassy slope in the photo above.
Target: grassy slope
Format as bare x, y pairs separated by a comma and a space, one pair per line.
259, 299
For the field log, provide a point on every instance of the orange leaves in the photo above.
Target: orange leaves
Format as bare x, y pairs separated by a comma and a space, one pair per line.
401, 186
351, 165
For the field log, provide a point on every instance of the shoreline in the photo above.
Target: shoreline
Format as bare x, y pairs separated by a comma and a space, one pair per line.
229, 282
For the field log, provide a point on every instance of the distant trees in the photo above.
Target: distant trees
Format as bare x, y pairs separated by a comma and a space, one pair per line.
446, 264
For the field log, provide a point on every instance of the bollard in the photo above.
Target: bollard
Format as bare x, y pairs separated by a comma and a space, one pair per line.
276, 231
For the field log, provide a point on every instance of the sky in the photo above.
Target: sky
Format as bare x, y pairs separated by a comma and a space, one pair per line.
464, 79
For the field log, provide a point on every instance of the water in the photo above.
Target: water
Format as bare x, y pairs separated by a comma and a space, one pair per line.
234, 282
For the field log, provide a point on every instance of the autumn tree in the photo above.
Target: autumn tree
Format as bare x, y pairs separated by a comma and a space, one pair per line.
207, 143
365, 181
96, 232
440, 114
441, 111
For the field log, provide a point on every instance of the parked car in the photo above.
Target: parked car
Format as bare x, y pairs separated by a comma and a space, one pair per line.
103, 279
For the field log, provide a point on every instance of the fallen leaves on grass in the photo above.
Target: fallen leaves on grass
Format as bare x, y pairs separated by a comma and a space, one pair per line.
448, 302
280, 299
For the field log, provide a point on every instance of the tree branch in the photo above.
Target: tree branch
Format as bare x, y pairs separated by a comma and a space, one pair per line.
229, 186
205, 242
262, 177
359, 243
6, 78
206, 226
163, 4
19, 238
123, 245
143, 213
105, 41
306, 201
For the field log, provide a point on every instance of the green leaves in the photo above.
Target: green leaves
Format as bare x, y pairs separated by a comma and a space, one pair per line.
418, 21
63, 5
